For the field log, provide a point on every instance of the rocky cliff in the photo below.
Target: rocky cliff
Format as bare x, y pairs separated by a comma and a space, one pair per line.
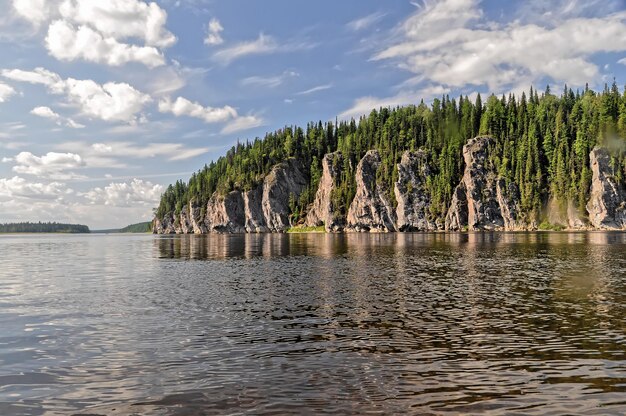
323, 210
263, 209
413, 210
482, 201
607, 203
371, 209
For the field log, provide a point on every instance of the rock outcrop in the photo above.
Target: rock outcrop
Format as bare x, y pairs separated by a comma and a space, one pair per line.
456, 219
413, 210
285, 181
482, 201
253, 213
225, 213
607, 203
371, 209
323, 210
164, 225
481, 197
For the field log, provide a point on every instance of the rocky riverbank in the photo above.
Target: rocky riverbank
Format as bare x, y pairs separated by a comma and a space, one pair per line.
482, 201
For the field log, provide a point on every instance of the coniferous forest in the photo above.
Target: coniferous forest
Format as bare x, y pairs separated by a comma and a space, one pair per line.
43, 227
543, 141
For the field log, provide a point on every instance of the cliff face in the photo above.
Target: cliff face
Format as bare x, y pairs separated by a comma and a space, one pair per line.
285, 181
607, 204
263, 209
225, 214
371, 209
413, 210
323, 210
482, 201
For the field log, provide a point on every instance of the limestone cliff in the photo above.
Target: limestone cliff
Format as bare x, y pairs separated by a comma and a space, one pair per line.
482, 201
413, 210
225, 213
323, 210
371, 209
607, 203
285, 181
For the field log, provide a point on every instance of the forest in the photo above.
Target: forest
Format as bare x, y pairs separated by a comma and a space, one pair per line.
43, 227
543, 141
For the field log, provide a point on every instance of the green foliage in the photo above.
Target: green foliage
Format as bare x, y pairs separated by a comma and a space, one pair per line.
304, 229
542, 143
43, 227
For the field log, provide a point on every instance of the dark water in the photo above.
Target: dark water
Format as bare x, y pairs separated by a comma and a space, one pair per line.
311, 324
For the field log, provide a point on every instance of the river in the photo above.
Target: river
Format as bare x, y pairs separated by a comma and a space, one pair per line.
497, 324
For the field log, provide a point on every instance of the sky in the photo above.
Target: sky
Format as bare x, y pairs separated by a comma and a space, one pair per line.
105, 103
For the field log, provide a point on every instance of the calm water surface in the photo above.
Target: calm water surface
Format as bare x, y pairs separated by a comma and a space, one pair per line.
310, 324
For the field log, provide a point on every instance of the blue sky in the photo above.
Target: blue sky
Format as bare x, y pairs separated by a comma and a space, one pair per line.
102, 104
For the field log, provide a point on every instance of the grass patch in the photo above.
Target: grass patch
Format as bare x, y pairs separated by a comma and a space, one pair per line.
546, 226
303, 229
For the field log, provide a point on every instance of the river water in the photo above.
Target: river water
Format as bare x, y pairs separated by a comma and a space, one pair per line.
529, 323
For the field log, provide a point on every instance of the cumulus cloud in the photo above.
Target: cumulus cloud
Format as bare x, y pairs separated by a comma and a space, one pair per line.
450, 43
58, 166
67, 43
97, 31
182, 106
214, 31
47, 112
17, 187
109, 102
6, 91
124, 194
243, 123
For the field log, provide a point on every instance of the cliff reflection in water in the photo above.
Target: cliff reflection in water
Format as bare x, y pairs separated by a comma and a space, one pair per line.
478, 323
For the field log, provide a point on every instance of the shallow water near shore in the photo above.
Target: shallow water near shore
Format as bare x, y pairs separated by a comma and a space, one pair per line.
498, 324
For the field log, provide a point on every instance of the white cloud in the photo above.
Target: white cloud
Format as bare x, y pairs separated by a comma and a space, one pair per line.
95, 30
450, 44
124, 194
35, 11
364, 105
243, 123
6, 92
182, 106
68, 43
263, 45
37, 76
622, 61
52, 165
17, 187
214, 31
315, 89
269, 82
109, 102
365, 22
47, 112
106, 154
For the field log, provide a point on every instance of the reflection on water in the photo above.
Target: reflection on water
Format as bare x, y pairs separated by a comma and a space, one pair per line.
520, 323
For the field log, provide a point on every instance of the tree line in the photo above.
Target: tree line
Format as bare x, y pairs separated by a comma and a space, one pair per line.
42, 227
543, 141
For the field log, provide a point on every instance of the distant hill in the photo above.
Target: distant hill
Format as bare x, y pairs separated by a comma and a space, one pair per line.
43, 227
141, 227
